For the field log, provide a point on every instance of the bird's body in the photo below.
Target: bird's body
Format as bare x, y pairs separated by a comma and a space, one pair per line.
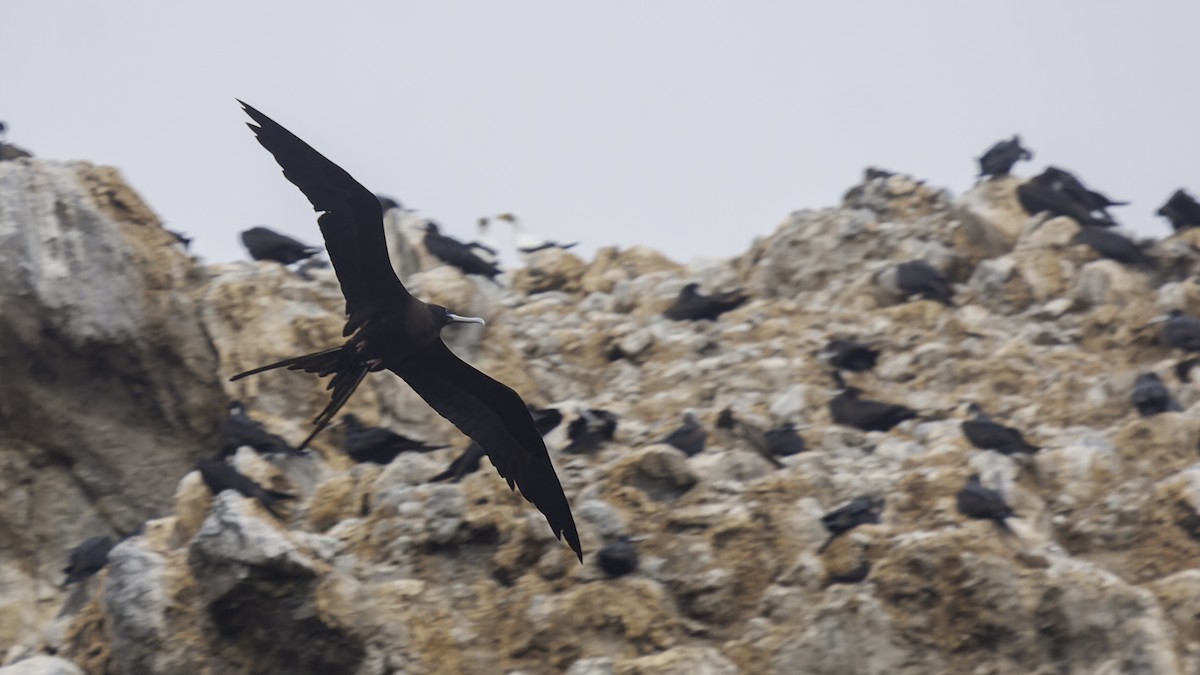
1181, 210
850, 355
783, 441
526, 243
1179, 331
1151, 397
588, 432
860, 511
263, 243
1059, 193
376, 444
689, 437
917, 277
987, 434
1067, 183
389, 328
618, 557
979, 502
847, 409
1000, 158
692, 305
456, 254
87, 558
1113, 245
239, 430
219, 476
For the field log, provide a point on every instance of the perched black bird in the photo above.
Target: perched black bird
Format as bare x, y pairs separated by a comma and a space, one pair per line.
238, 430
749, 434
849, 410
977, 501
376, 444
860, 511
455, 253
1183, 369
467, 462
1113, 245
1066, 182
692, 305
917, 277
1150, 396
1179, 331
1038, 196
1181, 210
618, 557
87, 558
689, 437
850, 355
219, 476
986, 434
389, 328
1000, 158
590, 431
266, 244
783, 441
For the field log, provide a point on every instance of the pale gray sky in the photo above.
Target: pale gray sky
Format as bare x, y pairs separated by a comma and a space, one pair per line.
686, 125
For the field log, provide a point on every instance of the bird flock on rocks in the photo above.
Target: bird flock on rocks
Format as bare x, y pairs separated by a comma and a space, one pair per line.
387, 328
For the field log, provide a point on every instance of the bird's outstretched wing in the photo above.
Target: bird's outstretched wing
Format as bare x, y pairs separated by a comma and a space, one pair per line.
496, 418
352, 224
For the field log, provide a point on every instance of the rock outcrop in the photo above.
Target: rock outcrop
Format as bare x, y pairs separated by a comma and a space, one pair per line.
117, 356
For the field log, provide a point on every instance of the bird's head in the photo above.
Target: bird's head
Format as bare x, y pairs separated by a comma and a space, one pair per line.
974, 408
443, 317
432, 226
350, 420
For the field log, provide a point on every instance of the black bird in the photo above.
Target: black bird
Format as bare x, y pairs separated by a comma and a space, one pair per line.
689, 437
987, 434
1179, 331
376, 444
1067, 183
850, 355
267, 244
849, 410
590, 431
783, 441
618, 557
87, 558
1150, 396
238, 430
389, 328
1181, 210
219, 476
546, 420
182, 238
977, 501
1038, 196
1183, 369
692, 305
860, 511
1113, 245
1000, 158
455, 253
748, 433
917, 277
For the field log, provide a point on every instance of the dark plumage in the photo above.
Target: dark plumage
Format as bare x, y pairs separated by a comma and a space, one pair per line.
9, 151
1000, 158
850, 355
692, 305
1181, 210
618, 557
849, 410
860, 511
455, 253
783, 441
1179, 331
986, 434
590, 431
237, 430
977, 501
1183, 369
1067, 183
468, 461
266, 244
219, 476
181, 238
389, 328
1151, 397
689, 437
387, 203
1037, 197
376, 444
86, 559
918, 277
1113, 245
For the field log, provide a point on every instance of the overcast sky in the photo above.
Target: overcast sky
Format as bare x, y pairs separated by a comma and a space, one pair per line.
686, 125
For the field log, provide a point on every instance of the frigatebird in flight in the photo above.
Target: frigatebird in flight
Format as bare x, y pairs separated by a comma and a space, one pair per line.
388, 328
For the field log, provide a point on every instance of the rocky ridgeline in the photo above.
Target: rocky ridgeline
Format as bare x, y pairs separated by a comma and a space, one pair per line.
116, 350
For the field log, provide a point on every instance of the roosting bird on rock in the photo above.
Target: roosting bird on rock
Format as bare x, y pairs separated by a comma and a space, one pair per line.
1113, 245
239, 430
692, 305
860, 511
1181, 210
1000, 158
1151, 397
86, 559
1179, 331
851, 355
219, 476
388, 328
987, 434
264, 243
917, 277
618, 557
590, 431
689, 437
376, 444
865, 415
455, 253
977, 501
468, 461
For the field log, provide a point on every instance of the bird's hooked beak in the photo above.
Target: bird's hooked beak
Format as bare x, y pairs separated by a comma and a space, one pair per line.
454, 318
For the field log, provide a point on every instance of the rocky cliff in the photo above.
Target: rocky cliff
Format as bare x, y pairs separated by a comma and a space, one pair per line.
116, 350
